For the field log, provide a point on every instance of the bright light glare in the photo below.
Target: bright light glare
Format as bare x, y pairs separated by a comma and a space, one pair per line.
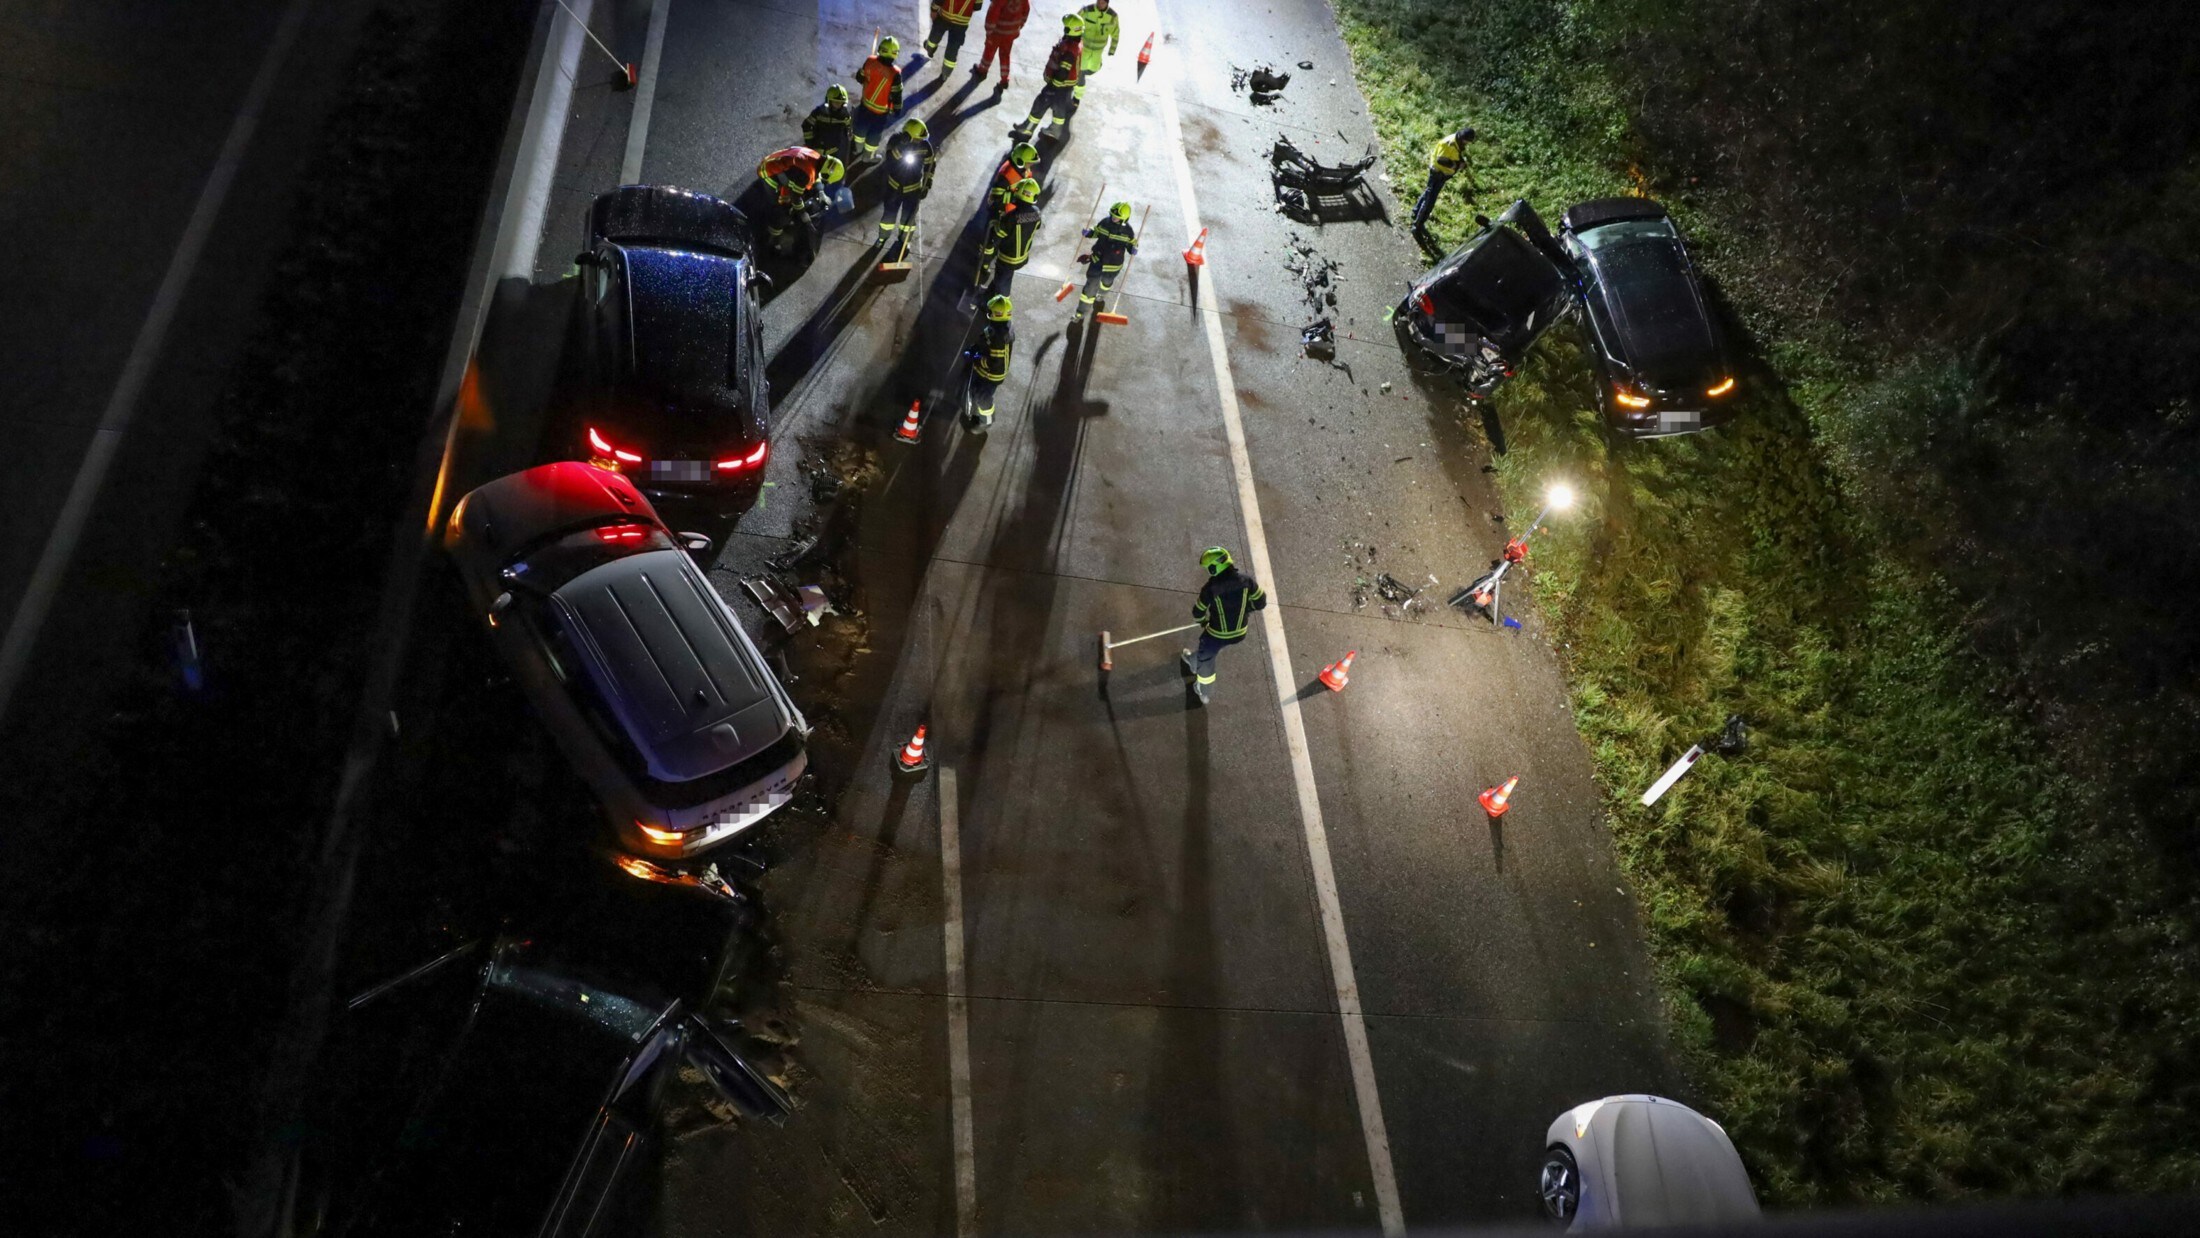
1559, 497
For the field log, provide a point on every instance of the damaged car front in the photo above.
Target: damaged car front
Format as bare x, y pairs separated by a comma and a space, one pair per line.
1478, 311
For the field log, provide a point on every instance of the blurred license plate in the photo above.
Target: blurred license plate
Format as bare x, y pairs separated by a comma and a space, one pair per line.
1680, 421
679, 470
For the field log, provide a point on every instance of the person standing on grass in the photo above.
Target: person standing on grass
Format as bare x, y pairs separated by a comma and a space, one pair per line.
1445, 159
1004, 20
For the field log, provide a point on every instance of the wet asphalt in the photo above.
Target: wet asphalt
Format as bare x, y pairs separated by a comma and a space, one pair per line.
1154, 1040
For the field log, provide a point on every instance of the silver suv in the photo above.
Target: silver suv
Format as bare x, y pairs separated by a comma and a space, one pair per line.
644, 677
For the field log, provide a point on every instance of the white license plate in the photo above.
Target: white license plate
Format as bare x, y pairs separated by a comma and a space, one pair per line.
679, 470
1680, 421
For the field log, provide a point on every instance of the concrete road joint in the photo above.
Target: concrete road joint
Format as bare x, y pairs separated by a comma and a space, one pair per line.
958, 1008
645, 94
1384, 1177
965, 997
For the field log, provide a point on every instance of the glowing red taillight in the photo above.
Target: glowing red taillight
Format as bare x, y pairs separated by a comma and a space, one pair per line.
604, 448
622, 534
755, 459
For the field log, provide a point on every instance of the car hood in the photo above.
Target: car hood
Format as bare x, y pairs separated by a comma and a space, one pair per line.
684, 312
1648, 1161
1645, 295
689, 689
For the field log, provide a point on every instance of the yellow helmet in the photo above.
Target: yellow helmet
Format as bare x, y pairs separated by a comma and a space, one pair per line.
1121, 210
999, 308
1022, 155
836, 95
915, 128
889, 47
833, 169
1073, 24
1027, 189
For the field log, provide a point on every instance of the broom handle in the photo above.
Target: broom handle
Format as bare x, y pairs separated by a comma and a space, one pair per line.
1118, 644
1124, 279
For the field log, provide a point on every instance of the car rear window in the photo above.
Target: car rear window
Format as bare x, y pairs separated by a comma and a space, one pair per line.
669, 217
549, 567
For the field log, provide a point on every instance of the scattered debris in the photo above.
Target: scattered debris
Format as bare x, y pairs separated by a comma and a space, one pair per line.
1339, 184
1320, 339
1400, 600
774, 598
1734, 741
1318, 277
814, 604
1306, 64
804, 543
1512, 623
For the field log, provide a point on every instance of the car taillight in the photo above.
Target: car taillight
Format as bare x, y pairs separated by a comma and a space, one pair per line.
668, 838
622, 534
1720, 389
608, 455
1630, 401
1427, 306
755, 459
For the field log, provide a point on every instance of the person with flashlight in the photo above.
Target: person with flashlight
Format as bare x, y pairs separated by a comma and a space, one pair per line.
909, 162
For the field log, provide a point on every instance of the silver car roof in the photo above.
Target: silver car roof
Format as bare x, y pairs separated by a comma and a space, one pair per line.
689, 689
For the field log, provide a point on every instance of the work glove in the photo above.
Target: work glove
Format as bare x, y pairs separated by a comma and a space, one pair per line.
1131, 249
1087, 232
1085, 259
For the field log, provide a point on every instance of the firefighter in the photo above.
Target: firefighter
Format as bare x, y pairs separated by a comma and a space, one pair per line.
1004, 20
1060, 75
989, 362
1103, 30
796, 175
909, 162
1112, 244
1225, 612
1008, 240
880, 80
830, 126
951, 19
1014, 170
1444, 161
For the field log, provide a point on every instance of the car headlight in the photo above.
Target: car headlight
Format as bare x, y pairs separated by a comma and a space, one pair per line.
1720, 388
1628, 399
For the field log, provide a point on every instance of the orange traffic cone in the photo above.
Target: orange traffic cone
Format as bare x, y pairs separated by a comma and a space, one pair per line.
1145, 54
908, 431
912, 759
1335, 675
1196, 256
1494, 800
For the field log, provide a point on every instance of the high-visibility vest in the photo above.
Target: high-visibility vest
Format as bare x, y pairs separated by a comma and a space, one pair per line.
1111, 240
1445, 157
1005, 180
995, 344
1062, 62
791, 170
909, 163
1012, 233
1102, 32
881, 82
1227, 603
956, 12
829, 129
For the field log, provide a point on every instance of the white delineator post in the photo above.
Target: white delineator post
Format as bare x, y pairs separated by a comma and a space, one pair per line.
1672, 775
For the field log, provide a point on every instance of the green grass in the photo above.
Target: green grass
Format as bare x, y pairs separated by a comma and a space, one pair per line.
1901, 956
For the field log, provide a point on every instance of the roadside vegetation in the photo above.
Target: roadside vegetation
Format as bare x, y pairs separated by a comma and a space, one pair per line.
1934, 934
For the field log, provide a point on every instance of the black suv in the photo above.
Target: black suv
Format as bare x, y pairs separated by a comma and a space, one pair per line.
1663, 366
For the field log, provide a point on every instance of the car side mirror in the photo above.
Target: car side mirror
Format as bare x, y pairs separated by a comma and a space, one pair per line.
759, 279
735, 1077
696, 543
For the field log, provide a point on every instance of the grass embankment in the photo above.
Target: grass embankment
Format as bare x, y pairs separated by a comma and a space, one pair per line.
1905, 957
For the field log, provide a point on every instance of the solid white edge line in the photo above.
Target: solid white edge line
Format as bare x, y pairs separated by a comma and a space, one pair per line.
1294, 728
958, 1010
532, 204
645, 94
137, 368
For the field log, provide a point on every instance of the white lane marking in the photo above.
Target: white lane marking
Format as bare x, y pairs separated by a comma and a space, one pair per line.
958, 1010
137, 368
1294, 728
546, 137
645, 94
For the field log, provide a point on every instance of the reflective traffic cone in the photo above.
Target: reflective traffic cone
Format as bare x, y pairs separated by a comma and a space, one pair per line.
1335, 675
1196, 256
912, 759
908, 431
1495, 799
1145, 54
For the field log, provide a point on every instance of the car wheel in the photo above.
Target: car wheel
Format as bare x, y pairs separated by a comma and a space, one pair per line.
1560, 1186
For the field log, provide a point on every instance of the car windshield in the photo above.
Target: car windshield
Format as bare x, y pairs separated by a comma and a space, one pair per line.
549, 567
1596, 239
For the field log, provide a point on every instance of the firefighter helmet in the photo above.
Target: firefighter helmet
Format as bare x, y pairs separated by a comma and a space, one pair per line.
889, 47
999, 308
1215, 559
1073, 25
836, 95
915, 128
1023, 154
1027, 189
833, 169
1121, 210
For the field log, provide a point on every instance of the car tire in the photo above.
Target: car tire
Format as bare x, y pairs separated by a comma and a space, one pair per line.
1558, 1186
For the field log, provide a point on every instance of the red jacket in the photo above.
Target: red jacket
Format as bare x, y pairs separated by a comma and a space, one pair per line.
956, 11
1004, 19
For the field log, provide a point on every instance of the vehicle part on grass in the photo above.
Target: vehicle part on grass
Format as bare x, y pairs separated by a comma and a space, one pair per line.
774, 598
1495, 800
1337, 674
1672, 775
1108, 647
814, 604
1734, 740
1640, 1161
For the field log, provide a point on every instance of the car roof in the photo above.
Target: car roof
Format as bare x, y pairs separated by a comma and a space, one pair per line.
526, 508
669, 216
1666, 1164
684, 310
1642, 286
690, 691
1503, 285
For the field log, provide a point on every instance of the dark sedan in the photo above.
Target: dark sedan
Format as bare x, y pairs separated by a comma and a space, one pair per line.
673, 348
1662, 362
1480, 308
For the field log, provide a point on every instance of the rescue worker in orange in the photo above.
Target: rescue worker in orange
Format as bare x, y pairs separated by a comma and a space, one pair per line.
880, 81
1061, 72
1014, 170
796, 175
951, 20
1004, 20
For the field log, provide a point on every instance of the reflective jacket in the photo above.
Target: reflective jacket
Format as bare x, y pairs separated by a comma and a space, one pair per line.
830, 129
1445, 157
1111, 240
1010, 237
995, 344
1102, 32
954, 12
881, 86
1005, 179
791, 171
1063, 62
1227, 602
1004, 19
909, 164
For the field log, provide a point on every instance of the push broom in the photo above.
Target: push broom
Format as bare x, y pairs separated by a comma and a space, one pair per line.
1108, 647
1109, 315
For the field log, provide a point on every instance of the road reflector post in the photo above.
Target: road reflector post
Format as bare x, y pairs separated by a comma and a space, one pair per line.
1672, 775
